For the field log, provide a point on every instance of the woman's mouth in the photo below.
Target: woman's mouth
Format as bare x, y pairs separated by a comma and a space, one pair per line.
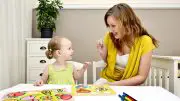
115, 34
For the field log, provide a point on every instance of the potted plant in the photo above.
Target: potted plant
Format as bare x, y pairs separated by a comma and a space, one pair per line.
47, 13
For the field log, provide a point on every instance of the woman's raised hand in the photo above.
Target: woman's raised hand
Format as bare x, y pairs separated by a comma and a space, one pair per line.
100, 45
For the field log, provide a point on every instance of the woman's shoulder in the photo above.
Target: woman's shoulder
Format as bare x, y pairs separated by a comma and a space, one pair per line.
145, 38
146, 41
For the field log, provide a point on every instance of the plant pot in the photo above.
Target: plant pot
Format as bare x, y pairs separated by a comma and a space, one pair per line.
46, 32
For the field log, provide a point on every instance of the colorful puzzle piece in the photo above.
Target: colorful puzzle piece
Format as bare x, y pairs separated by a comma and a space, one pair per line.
43, 95
92, 90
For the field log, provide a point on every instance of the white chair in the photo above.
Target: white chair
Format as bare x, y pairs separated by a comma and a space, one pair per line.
78, 66
97, 64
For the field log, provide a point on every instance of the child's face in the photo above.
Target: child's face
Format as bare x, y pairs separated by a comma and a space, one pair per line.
66, 49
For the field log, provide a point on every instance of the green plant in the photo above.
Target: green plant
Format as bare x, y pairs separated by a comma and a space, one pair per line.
47, 13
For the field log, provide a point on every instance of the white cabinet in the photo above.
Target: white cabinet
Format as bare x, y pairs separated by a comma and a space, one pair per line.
36, 59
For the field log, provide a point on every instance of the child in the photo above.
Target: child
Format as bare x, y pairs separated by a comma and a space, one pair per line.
60, 72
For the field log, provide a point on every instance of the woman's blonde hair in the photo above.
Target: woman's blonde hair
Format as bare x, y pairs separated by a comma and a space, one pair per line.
131, 24
53, 45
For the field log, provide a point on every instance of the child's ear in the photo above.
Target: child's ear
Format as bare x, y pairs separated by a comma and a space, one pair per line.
58, 52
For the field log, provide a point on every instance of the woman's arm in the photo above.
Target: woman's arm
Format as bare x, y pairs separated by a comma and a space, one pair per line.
144, 67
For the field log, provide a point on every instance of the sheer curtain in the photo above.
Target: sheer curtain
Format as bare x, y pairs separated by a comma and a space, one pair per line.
15, 26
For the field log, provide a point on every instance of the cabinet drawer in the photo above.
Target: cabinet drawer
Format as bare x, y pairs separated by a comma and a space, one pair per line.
37, 48
34, 74
38, 62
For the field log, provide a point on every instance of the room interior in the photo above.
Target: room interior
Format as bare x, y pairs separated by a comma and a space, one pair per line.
83, 23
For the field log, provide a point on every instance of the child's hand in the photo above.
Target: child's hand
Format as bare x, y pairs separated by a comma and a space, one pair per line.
86, 64
39, 83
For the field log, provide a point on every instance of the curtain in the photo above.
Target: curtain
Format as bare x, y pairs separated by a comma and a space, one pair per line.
15, 26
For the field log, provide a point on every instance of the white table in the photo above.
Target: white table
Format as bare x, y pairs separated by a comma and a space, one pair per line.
141, 93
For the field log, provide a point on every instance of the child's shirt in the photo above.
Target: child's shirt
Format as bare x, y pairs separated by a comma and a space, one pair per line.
63, 76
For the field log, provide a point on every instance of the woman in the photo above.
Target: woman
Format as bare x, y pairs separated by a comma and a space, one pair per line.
127, 48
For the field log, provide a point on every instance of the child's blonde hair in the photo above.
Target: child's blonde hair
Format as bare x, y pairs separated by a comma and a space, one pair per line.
53, 45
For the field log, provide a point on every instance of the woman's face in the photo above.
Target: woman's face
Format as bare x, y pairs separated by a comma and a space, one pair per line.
115, 27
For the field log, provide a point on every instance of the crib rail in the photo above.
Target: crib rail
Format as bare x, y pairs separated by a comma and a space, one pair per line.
158, 77
164, 73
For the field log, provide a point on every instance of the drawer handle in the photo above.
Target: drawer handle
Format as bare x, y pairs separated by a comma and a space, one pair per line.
42, 61
40, 74
42, 48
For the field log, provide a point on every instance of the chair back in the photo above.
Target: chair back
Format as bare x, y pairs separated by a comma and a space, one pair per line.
97, 65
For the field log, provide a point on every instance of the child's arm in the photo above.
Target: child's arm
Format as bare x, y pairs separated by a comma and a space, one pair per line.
78, 73
43, 79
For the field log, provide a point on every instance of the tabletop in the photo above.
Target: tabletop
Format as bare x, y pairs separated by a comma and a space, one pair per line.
140, 93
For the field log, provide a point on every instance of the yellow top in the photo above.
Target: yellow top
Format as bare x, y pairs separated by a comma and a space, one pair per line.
142, 45
63, 76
